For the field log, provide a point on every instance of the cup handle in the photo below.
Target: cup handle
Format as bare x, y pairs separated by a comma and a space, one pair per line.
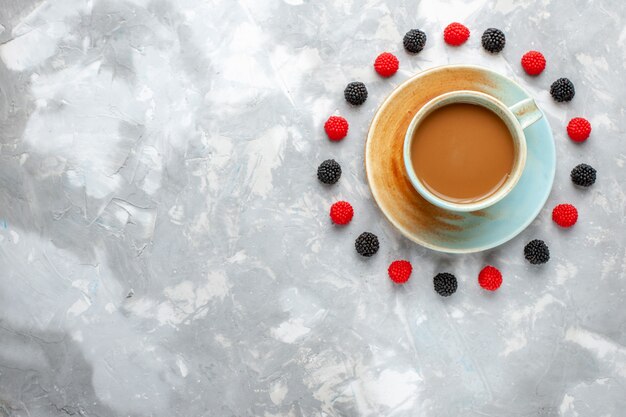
526, 112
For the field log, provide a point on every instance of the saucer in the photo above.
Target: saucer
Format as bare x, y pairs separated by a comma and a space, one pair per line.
434, 227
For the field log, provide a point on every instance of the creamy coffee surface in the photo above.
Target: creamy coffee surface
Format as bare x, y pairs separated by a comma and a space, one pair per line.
462, 152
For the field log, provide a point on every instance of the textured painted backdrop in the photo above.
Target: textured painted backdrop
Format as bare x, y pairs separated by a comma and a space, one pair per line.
165, 248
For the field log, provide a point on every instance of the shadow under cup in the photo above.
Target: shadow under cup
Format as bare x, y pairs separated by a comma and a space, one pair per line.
515, 118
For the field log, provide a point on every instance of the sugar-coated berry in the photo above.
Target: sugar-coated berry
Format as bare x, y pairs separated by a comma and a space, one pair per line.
455, 34
414, 41
579, 129
386, 64
400, 271
336, 128
341, 212
533, 62
366, 244
329, 171
583, 175
565, 215
562, 90
536, 252
490, 278
445, 284
355, 93
493, 40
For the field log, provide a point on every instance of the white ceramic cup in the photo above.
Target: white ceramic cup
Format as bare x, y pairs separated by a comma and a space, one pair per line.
516, 117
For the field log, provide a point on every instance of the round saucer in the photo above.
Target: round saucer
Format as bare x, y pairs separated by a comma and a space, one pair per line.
431, 226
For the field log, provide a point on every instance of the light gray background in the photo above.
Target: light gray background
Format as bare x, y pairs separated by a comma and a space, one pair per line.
165, 248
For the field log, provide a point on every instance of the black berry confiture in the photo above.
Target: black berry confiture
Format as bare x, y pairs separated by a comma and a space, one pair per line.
562, 90
366, 244
445, 284
414, 41
329, 171
583, 175
493, 40
536, 252
355, 93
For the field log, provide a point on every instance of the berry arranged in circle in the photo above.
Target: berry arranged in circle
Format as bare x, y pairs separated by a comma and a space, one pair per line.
456, 34
329, 172
583, 175
400, 271
536, 252
533, 62
562, 90
565, 215
414, 41
578, 129
336, 128
341, 212
445, 284
355, 93
490, 278
493, 40
386, 64
366, 244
